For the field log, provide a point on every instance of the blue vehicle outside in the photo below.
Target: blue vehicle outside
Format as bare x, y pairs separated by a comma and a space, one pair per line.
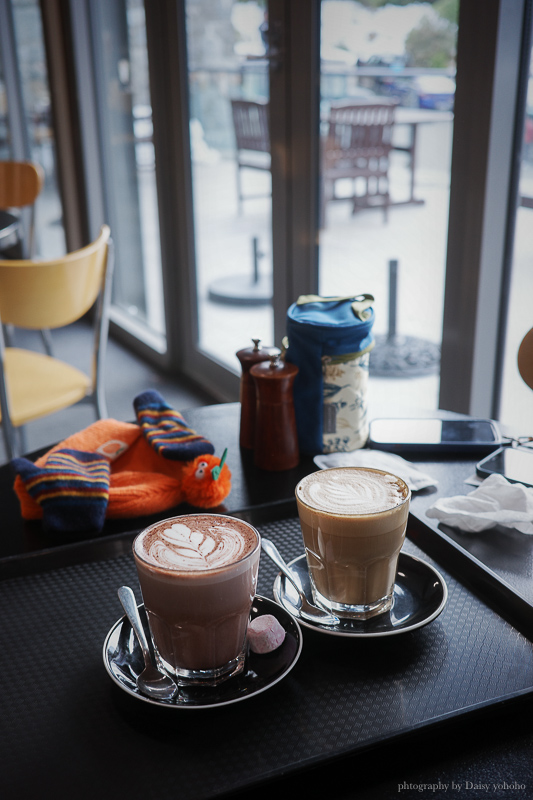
425, 91
431, 91
435, 91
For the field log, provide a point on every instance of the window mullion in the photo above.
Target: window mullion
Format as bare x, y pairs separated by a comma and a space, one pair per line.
488, 63
20, 147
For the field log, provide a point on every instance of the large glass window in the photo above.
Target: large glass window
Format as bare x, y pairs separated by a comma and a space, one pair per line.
382, 231
230, 151
387, 100
125, 118
4, 129
32, 68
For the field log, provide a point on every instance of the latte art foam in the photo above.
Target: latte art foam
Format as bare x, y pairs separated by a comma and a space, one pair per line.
196, 543
346, 491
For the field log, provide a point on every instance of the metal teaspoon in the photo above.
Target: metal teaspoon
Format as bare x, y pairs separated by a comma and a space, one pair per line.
307, 610
151, 681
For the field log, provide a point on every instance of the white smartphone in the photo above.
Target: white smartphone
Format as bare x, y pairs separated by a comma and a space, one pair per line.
476, 436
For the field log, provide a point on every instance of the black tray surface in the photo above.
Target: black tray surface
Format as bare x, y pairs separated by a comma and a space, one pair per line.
64, 722
497, 563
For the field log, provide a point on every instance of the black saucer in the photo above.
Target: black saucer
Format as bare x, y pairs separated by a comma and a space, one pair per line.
420, 594
124, 662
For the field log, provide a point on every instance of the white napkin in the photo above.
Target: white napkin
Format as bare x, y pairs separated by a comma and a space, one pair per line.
388, 462
495, 502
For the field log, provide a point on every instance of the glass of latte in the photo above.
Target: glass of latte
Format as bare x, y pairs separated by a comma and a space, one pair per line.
198, 576
353, 524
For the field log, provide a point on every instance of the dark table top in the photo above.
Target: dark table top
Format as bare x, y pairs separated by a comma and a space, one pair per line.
474, 732
254, 491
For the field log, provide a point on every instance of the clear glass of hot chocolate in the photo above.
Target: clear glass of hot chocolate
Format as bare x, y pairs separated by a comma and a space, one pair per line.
353, 522
198, 576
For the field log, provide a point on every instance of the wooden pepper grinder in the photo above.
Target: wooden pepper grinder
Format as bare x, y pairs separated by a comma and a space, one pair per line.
248, 357
276, 440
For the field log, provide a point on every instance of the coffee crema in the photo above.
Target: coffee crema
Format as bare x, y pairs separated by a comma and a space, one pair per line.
352, 491
202, 542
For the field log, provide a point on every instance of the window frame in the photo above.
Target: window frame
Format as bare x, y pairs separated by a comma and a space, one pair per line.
483, 198
19, 135
489, 104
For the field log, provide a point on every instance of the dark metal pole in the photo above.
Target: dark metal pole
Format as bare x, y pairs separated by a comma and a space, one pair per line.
256, 255
393, 297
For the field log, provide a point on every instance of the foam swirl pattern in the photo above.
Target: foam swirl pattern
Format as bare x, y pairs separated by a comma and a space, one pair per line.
351, 491
197, 545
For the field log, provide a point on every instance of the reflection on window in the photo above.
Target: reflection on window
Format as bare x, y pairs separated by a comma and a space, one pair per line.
125, 117
230, 149
4, 130
387, 98
49, 233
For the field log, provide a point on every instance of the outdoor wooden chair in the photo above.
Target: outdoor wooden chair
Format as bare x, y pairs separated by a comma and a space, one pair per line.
357, 145
252, 138
52, 294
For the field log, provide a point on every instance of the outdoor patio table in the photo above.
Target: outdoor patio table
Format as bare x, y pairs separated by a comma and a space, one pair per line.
446, 704
412, 118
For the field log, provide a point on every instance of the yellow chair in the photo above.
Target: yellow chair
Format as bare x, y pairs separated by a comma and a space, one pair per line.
21, 183
52, 294
525, 359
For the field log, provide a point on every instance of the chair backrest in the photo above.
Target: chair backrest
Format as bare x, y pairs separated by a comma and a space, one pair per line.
525, 359
359, 129
251, 123
20, 183
50, 294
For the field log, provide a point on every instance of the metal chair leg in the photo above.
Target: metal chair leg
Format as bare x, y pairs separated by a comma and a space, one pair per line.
23, 444
8, 429
46, 337
239, 190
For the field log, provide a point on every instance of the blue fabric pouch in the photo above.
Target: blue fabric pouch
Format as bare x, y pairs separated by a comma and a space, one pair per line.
330, 339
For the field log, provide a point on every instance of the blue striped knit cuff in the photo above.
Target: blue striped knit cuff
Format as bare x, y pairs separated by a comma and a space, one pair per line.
72, 489
166, 430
